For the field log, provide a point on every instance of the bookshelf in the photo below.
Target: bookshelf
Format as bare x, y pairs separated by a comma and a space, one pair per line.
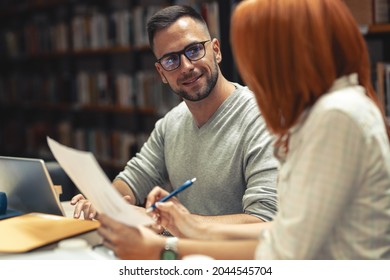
82, 73
73, 70
379, 29
378, 43
373, 17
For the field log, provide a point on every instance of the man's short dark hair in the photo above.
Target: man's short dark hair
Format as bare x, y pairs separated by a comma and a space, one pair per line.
168, 16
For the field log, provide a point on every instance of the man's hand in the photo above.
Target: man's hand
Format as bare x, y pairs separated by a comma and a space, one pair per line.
83, 206
89, 212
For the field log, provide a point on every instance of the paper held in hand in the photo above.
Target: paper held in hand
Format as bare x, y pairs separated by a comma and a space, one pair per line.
86, 173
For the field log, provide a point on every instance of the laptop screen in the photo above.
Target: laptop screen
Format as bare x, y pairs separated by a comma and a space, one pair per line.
28, 186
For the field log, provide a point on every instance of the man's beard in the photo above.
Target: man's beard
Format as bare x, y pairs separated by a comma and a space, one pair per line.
204, 92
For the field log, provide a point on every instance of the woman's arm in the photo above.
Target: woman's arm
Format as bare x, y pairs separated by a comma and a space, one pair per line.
219, 250
234, 231
173, 216
142, 243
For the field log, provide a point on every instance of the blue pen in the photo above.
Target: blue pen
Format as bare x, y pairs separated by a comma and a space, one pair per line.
175, 192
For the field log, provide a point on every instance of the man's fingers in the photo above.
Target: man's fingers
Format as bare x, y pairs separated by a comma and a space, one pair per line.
78, 209
76, 199
85, 207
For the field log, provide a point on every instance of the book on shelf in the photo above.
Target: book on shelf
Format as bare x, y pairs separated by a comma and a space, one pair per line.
143, 90
99, 31
35, 137
80, 35
83, 91
38, 35
383, 85
116, 146
141, 14
11, 43
120, 31
93, 29
152, 93
147, 89
87, 28
109, 145
368, 12
193, 3
124, 92
60, 34
64, 132
210, 12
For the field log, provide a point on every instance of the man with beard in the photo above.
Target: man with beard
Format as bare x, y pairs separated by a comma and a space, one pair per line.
216, 135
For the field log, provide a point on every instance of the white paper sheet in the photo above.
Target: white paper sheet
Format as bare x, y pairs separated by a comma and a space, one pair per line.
86, 173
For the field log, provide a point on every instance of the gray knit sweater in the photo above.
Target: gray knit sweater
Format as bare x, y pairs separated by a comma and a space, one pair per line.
231, 157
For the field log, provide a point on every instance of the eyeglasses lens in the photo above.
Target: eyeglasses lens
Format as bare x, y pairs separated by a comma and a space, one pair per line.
193, 52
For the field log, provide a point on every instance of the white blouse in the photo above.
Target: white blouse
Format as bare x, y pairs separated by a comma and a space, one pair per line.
334, 184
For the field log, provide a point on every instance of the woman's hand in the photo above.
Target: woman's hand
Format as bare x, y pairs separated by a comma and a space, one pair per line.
128, 242
173, 216
155, 226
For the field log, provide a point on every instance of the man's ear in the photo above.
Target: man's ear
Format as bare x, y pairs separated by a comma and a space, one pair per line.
217, 50
160, 71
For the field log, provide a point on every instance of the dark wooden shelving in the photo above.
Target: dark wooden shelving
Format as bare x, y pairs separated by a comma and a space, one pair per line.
64, 86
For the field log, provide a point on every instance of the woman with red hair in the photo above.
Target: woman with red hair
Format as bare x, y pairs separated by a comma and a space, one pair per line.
308, 66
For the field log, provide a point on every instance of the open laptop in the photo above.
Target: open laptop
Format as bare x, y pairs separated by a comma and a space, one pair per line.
28, 186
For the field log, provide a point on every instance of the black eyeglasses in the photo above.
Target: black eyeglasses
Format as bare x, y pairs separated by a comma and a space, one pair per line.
193, 52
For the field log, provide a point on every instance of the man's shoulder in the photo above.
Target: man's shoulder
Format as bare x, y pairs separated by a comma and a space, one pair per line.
179, 109
179, 112
242, 88
244, 92
246, 98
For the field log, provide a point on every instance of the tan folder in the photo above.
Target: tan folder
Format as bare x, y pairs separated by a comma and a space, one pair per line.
30, 231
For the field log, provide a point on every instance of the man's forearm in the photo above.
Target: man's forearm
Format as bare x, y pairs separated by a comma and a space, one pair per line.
124, 190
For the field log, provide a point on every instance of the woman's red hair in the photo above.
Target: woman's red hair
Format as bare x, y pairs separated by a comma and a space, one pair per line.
289, 52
